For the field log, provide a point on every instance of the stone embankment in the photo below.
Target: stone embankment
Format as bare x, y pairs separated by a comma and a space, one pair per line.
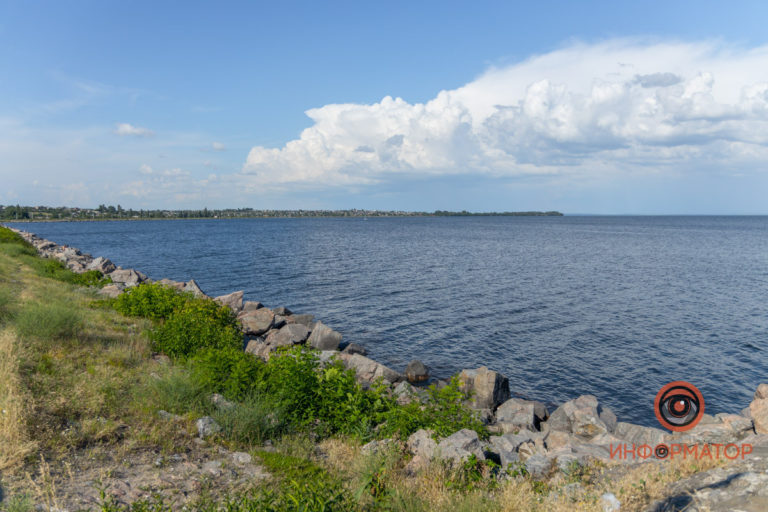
524, 432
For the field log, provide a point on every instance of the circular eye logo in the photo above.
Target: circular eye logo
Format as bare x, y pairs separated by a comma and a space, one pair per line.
679, 406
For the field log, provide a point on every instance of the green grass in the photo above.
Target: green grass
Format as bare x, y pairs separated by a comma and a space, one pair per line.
49, 321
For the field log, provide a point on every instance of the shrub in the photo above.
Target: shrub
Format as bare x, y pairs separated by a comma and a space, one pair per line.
444, 412
228, 371
51, 321
153, 301
198, 324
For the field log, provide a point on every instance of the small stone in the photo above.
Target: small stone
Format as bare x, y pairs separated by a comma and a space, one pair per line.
610, 502
207, 426
538, 465
416, 372
213, 467
241, 458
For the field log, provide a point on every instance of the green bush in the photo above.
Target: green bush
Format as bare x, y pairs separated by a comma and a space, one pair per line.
444, 412
229, 371
153, 301
329, 400
198, 324
49, 321
8, 236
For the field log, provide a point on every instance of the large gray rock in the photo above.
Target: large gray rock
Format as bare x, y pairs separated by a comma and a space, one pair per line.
639, 435
305, 319
257, 322
324, 338
459, 446
368, 370
538, 466
421, 443
176, 285
192, 287
522, 413
288, 335
506, 447
416, 371
488, 389
250, 306
103, 265
404, 393
128, 277
758, 409
233, 300
282, 311
260, 349
581, 417
111, 291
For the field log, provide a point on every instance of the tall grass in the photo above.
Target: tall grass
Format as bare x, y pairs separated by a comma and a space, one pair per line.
53, 321
6, 304
14, 441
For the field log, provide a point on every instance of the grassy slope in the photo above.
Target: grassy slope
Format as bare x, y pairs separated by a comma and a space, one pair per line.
77, 377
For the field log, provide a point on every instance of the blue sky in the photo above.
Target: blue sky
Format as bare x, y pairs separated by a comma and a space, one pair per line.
583, 107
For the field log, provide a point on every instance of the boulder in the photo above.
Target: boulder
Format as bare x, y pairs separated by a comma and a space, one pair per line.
306, 319
404, 393
522, 413
176, 285
638, 435
421, 443
538, 466
506, 447
354, 348
249, 306
282, 311
368, 370
488, 389
233, 300
128, 277
758, 409
192, 287
279, 321
377, 446
459, 446
257, 322
416, 371
288, 335
103, 265
259, 349
111, 291
324, 338
580, 417
220, 402
207, 426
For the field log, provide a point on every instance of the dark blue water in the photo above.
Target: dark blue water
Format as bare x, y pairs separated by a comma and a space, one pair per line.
563, 306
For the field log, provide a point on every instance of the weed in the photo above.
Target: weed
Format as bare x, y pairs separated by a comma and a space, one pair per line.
51, 321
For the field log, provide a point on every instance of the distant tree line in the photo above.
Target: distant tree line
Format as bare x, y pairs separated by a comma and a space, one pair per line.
18, 212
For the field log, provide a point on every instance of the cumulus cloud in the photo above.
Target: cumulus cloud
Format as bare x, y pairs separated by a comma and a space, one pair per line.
128, 130
615, 106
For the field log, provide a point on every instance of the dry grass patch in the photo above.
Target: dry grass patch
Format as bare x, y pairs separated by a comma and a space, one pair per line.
14, 441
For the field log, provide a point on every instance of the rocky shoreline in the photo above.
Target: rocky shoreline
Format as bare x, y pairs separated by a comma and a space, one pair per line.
524, 432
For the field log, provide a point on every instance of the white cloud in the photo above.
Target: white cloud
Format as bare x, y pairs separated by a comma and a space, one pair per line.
125, 129
218, 146
166, 173
612, 107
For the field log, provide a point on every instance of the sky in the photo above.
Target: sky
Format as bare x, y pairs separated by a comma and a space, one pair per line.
581, 107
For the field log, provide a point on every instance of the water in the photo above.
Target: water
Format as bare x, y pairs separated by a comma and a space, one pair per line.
563, 306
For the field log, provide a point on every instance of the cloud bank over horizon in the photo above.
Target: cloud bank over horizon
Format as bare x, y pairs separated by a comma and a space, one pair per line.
585, 110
